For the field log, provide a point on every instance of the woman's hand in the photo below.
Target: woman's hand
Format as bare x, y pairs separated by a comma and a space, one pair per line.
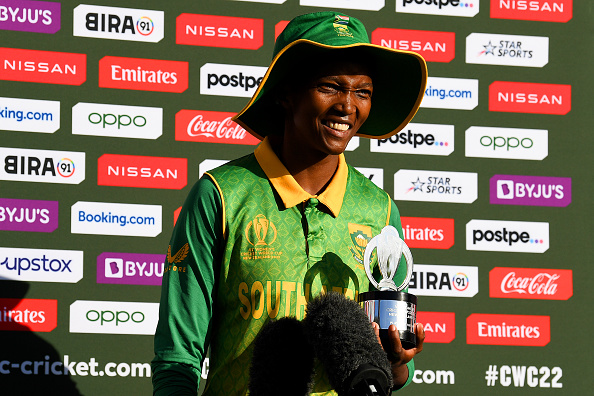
397, 355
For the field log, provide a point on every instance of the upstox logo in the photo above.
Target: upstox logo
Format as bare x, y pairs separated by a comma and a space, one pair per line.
435, 186
118, 23
530, 190
433, 46
42, 166
507, 50
460, 8
507, 236
30, 16
230, 80
451, 93
29, 115
521, 97
41, 265
102, 218
130, 268
423, 139
110, 120
444, 280
508, 143
219, 31
533, 10
113, 317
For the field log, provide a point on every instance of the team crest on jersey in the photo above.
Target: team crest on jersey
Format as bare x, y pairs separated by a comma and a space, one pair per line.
260, 233
360, 237
177, 258
341, 25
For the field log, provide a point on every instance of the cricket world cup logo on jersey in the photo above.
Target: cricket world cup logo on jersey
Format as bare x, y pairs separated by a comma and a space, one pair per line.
260, 232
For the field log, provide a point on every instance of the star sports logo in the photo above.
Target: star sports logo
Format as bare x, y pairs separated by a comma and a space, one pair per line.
435, 186
507, 50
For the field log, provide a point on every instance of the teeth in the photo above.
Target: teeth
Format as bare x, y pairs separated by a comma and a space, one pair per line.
338, 126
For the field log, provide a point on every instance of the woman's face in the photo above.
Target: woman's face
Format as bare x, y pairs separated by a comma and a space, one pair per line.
326, 111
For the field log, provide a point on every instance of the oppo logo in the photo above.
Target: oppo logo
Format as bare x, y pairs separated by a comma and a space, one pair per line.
230, 80
461, 8
433, 46
113, 317
219, 31
508, 143
210, 127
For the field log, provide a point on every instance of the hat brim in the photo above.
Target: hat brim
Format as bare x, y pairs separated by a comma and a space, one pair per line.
399, 80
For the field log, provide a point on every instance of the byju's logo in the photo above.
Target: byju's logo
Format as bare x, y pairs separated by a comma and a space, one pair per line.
440, 327
509, 143
507, 50
41, 265
376, 175
210, 127
113, 317
425, 139
43, 166
533, 10
428, 233
369, 5
28, 215
531, 283
118, 23
219, 31
117, 121
28, 314
30, 16
230, 80
451, 93
517, 97
130, 268
524, 330
29, 115
507, 236
433, 46
460, 8
435, 186
102, 218
142, 171
444, 280
530, 190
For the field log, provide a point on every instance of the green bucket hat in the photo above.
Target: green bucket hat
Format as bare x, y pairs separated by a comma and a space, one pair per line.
399, 77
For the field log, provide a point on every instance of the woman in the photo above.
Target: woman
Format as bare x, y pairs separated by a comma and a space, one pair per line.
259, 236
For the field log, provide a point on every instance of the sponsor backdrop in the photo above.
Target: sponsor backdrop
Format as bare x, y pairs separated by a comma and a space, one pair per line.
110, 112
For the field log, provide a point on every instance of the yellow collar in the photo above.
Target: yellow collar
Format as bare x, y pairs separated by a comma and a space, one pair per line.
290, 191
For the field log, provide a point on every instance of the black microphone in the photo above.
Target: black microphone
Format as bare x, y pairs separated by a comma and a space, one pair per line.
282, 360
346, 345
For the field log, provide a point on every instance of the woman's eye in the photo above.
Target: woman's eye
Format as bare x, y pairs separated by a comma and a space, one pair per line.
364, 93
328, 88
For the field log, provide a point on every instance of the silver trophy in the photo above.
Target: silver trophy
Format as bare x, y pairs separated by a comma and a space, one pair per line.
389, 304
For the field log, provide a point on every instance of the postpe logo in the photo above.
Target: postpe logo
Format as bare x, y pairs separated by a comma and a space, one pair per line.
530, 190
118, 23
42, 166
130, 268
376, 175
28, 314
219, 31
533, 10
444, 280
531, 283
459, 8
30, 16
230, 80
29, 115
423, 139
102, 218
521, 330
41, 265
109, 120
428, 233
450, 93
433, 46
28, 215
440, 327
142, 171
143, 74
507, 143
507, 50
435, 186
517, 97
47, 67
210, 127
113, 317
369, 5
507, 236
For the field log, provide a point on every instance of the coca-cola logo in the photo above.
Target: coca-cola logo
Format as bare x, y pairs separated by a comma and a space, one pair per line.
531, 283
210, 127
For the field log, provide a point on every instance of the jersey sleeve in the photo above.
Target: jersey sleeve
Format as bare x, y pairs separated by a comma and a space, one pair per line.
188, 291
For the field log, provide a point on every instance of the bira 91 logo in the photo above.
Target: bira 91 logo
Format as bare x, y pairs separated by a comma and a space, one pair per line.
531, 283
113, 317
530, 190
42, 166
28, 215
428, 233
433, 46
130, 268
28, 314
533, 10
517, 97
520, 330
435, 186
210, 127
507, 236
219, 31
47, 67
143, 74
30, 16
142, 171
423, 139
440, 327
507, 50
118, 23
460, 8
444, 281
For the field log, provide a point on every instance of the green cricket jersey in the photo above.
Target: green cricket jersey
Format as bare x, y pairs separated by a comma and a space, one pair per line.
251, 245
